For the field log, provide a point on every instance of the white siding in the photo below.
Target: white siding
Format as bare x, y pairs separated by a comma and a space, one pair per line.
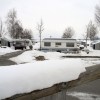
63, 44
97, 46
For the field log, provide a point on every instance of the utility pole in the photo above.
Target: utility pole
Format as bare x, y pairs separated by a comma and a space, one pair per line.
40, 29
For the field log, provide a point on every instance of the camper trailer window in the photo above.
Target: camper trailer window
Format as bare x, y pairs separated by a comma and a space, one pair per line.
69, 44
58, 43
47, 43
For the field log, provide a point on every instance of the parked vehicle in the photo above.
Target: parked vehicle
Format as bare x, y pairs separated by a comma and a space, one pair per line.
19, 45
22, 44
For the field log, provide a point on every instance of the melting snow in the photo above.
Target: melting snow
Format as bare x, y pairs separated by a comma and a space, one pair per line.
84, 96
25, 78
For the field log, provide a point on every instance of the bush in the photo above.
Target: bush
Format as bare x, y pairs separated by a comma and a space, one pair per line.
40, 58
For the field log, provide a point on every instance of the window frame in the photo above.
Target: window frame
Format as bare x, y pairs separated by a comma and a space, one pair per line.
70, 44
58, 43
45, 44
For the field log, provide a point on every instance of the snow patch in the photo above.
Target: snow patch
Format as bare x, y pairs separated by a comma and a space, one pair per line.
5, 49
84, 96
29, 56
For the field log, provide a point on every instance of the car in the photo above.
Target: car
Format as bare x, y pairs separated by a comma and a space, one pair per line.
22, 44
19, 45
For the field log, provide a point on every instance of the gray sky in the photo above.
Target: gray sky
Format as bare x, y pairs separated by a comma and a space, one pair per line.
56, 14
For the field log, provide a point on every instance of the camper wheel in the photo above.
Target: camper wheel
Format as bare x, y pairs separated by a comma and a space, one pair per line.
58, 51
22, 48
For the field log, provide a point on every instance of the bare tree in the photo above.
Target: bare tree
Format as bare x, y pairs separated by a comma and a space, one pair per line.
1, 25
14, 26
91, 31
1, 29
18, 30
11, 20
86, 36
27, 34
40, 29
68, 33
97, 14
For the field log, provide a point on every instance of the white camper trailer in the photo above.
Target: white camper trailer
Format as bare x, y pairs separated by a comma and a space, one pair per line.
60, 45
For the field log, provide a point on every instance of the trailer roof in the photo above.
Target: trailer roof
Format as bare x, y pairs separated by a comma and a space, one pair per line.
58, 39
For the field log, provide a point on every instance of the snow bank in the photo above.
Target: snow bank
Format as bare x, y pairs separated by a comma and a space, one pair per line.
29, 56
25, 78
26, 57
91, 53
4, 50
36, 46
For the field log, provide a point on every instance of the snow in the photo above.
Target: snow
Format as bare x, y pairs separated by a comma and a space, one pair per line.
91, 61
84, 96
91, 52
5, 49
37, 75
25, 57
29, 56
25, 78
36, 46
6, 37
95, 42
81, 46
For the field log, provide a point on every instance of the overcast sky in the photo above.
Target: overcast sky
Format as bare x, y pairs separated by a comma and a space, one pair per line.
56, 14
